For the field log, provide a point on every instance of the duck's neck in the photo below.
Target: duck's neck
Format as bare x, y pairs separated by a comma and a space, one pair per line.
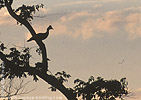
47, 31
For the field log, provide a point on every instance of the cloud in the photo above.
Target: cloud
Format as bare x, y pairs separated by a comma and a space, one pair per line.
60, 29
77, 2
109, 22
75, 15
97, 6
133, 26
95, 27
68, 25
42, 11
87, 2
87, 25
72, 25
84, 31
112, 22
6, 19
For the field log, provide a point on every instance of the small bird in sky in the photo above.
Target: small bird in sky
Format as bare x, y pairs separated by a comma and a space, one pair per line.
41, 36
121, 62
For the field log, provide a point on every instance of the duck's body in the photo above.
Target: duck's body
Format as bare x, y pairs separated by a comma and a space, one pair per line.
41, 36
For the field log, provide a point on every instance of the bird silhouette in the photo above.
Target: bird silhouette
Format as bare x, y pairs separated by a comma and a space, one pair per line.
121, 62
41, 36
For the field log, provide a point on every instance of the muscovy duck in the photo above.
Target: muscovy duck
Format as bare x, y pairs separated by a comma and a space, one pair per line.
41, 36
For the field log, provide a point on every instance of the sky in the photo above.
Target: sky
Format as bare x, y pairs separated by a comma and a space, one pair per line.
90, 38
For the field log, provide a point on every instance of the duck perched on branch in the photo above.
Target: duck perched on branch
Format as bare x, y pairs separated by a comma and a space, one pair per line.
41, 36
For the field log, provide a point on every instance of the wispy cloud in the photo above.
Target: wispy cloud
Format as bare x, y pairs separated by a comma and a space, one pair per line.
76, 15
42, 12
97, 6
87, 25
133, 26
73, 24
60, 29
6, 19
87, 2
77, 2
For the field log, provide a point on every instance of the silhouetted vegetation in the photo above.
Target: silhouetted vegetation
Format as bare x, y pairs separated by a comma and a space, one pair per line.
14, 87
16, 64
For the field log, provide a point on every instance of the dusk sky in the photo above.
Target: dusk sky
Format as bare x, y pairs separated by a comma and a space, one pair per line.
90, 38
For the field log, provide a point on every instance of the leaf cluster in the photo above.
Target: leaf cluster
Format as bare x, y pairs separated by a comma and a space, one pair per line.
61, 77
52, 88
2, 4
26, 12
100, 89
2, 47
39, 51
17, 59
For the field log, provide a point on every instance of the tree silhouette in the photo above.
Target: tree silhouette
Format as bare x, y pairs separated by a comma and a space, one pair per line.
16, 64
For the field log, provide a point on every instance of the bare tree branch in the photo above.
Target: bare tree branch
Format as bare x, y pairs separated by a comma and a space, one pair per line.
10, 89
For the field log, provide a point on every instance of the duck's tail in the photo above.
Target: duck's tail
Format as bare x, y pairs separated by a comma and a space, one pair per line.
30, 40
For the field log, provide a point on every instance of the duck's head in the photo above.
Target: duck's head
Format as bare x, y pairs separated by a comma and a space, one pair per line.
50, 27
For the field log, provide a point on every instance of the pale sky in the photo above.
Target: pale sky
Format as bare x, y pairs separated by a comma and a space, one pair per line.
90, 37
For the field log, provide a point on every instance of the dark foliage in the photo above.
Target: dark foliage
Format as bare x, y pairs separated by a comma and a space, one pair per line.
2, 47
61, 77
2, 4
100, 89
17, 60
93, 89
26, 12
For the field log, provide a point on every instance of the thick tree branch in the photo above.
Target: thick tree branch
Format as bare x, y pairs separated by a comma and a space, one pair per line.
48, 78
32, 31
55, 83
